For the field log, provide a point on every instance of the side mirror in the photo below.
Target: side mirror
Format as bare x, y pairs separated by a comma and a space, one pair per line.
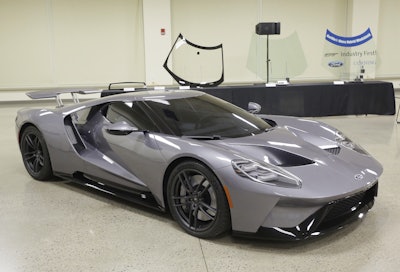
253, 107
120, 128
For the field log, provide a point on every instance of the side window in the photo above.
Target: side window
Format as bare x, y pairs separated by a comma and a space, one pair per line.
81, 117
131, 113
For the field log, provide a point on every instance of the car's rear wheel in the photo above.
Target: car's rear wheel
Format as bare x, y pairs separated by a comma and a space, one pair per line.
197, 200
35, 154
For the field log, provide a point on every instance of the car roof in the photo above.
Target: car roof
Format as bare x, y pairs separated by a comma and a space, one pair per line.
133, 96
153, 94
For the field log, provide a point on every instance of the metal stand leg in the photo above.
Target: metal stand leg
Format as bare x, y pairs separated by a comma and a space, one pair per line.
268, 59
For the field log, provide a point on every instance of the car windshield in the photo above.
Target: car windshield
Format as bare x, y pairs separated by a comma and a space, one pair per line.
195, 65
206, 117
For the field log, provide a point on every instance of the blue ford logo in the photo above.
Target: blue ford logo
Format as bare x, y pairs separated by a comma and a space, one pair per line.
335, 64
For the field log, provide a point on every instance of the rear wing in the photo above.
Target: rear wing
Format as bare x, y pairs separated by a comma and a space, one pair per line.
113, 88
57, 94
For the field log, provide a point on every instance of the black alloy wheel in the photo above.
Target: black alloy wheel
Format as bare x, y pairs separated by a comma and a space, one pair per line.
197, 200
35, 154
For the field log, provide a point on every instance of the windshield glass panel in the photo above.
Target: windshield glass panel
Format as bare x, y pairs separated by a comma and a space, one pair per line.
206, 116
195, 65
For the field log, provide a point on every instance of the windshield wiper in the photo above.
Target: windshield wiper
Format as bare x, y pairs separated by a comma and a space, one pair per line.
204, 137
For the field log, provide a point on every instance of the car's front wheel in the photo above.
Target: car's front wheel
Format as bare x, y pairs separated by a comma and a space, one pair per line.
35, 154
197, 200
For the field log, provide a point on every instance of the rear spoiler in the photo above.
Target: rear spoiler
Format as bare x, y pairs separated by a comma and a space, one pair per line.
113, 88
56, 94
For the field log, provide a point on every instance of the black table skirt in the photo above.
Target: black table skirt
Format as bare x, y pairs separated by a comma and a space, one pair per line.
323, 99
308, 100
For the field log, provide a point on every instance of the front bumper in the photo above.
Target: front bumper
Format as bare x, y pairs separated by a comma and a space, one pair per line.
333, 216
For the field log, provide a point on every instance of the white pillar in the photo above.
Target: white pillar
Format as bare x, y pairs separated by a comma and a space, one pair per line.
364, 14
156, 16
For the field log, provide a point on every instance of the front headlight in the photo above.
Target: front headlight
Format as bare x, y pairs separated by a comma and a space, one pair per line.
265, 173
343, 140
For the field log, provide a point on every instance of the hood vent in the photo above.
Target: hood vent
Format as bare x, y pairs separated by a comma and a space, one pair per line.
283, 158
333, 150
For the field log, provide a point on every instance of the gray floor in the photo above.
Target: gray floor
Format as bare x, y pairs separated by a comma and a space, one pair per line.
54, 226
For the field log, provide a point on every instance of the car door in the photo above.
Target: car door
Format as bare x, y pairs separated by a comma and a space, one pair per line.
128, 134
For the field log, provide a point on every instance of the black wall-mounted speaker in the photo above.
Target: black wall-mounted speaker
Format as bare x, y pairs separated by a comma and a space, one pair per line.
268, 28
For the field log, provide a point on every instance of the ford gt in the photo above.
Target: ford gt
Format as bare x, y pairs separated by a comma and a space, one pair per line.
212, 165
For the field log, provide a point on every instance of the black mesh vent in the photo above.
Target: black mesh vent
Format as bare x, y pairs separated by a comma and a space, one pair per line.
344, 206
333, 150
342, 209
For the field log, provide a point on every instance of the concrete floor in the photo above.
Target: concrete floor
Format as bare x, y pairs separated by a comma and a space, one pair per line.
55, 226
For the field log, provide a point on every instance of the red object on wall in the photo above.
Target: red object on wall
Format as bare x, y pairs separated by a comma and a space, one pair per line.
162, 31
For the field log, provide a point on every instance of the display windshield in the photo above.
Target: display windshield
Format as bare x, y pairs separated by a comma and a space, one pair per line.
195, 65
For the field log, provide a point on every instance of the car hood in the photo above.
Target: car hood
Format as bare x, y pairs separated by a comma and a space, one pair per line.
320, 171
280, 139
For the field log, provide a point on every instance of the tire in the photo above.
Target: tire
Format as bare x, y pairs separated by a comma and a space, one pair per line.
35, 154
197, 200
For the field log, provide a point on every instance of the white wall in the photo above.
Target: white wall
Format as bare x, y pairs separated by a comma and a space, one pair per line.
25, 44
65, 43
157, 16
388, 44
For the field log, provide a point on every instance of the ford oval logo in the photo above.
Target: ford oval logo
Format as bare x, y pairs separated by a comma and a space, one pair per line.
358, 177
335, 64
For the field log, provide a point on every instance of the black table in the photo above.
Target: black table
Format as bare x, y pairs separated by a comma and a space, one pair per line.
308, 100
320, 99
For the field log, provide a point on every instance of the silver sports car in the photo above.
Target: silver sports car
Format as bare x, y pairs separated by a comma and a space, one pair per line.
215, 167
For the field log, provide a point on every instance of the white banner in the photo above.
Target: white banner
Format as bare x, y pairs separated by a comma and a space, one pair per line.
350, 58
